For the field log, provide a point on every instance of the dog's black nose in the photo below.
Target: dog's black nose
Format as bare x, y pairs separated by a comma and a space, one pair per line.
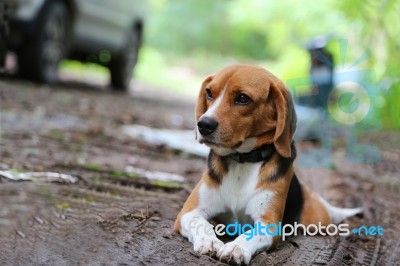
207, 126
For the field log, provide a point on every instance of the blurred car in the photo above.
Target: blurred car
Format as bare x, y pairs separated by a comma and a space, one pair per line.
43, 32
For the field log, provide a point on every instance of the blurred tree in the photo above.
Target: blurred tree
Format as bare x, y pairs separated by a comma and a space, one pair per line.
246, 28
186, 26
376, 26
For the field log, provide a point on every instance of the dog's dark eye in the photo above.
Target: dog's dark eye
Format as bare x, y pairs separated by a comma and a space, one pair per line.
242, 99
209, 94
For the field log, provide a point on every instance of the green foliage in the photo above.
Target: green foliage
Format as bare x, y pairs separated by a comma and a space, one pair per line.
207, 35
166, 71
244, 28
391, 109
375, 26
185, 26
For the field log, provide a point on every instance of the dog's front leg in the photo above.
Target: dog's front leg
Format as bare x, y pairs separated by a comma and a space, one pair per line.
244, 247
200, 232
192, 221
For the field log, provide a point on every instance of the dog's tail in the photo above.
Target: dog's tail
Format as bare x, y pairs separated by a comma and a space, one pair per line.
339, 214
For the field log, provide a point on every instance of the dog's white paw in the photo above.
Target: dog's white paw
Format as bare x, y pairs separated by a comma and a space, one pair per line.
233, 253
207, 245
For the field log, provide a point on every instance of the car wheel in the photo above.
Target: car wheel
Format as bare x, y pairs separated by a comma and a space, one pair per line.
121, 66
40, 57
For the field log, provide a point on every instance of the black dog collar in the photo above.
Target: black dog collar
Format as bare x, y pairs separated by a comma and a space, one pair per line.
263, 153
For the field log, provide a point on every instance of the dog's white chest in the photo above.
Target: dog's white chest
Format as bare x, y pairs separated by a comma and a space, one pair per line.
237, 198
239, 186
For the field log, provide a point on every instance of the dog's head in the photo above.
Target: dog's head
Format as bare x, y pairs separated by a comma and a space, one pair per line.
243, 107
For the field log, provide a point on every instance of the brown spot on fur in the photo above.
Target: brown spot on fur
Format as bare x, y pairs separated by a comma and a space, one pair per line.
210, 181
266, 138
313, 210
269, 169
217, 169
276, 206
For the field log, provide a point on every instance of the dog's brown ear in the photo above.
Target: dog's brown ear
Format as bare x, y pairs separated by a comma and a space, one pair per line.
201, 106
286, 118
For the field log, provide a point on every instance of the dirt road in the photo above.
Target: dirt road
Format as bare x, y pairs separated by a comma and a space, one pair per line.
113, 217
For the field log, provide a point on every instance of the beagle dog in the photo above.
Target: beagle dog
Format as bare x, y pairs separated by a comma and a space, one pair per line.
246, 116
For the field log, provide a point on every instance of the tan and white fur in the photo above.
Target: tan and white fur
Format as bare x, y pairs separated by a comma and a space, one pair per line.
240, 109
